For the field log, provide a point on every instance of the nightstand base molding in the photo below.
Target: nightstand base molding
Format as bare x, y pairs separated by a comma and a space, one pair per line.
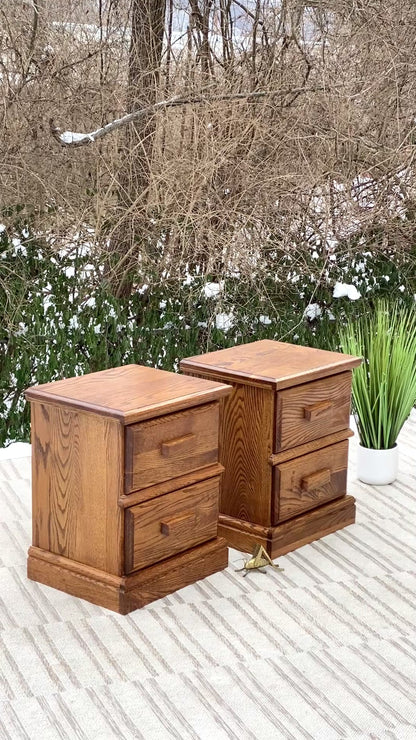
289, 535
123, 594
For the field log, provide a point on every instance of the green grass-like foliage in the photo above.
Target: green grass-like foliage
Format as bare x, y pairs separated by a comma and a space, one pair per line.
384, 386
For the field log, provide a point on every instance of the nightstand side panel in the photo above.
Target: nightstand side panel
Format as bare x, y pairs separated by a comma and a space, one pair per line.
77, 478
245, 445
246, 440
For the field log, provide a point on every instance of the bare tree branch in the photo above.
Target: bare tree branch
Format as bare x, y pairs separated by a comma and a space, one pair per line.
69, 138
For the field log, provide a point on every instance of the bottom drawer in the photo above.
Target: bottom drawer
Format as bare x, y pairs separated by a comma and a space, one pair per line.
164, 526
308, 481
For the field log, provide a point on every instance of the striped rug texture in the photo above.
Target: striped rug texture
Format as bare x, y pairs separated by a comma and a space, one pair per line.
323, 650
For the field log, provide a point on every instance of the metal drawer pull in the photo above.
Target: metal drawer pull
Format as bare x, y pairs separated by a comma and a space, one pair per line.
316, 480
178, 525
317, 409
175, 445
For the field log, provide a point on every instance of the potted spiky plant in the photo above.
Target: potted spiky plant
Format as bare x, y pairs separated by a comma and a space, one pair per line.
383, 387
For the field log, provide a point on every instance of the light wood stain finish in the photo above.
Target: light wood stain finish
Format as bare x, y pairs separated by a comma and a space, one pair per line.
182, 481
291, 534
77, 476
269, 363
170, 524
129, 394
81, 513
314, 444
283, 440
171, 445
308, 412
308, 481
247, 478
123, 594
170, 575
245, 490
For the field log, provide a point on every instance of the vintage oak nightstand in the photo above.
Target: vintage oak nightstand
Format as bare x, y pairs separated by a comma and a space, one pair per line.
125, 484
283, 442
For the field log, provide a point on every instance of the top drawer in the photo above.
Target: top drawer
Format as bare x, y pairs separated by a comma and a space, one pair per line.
313, 410
169, 446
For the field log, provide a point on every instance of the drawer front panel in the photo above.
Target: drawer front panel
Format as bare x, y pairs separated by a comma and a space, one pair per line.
170, 446
308, 481
162, 527
314, 410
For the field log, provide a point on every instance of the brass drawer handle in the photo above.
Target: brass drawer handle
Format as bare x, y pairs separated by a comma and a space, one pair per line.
317, 410
316, 480
178, 525
176, 445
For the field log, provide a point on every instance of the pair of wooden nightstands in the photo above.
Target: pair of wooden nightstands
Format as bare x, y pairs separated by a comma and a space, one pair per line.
127, 466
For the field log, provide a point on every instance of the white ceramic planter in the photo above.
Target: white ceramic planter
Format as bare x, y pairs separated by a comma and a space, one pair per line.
377, 467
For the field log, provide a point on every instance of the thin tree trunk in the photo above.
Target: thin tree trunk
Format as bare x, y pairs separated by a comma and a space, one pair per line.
131, 235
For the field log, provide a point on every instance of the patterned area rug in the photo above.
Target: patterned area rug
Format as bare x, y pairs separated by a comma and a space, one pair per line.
323, 650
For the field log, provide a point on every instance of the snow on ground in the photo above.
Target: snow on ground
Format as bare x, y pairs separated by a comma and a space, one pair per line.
15, 450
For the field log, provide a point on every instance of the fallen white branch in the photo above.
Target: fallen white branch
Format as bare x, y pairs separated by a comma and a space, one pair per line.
70, 138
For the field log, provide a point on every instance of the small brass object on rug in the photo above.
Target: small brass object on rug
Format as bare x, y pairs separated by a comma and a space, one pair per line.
259, 561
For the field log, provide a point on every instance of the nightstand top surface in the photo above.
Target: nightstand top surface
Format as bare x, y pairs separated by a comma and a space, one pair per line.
130, 393
274, 364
